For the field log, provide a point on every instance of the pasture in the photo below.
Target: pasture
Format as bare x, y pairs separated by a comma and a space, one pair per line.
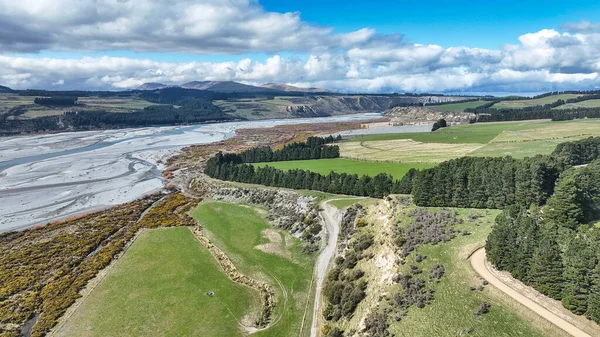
516, 139
592, 103
158, 288
341, 165
260, 251
456, 107
532, 102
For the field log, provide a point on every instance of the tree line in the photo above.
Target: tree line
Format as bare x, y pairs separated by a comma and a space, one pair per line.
235, 167
556, 248
312, 148
56, 100
483, 182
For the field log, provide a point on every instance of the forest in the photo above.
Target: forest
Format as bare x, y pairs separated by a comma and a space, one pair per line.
234, 167
556, 248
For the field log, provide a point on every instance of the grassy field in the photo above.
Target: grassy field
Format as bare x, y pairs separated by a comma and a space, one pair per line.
454, 304
238, 230
517, 139
457, 107
592, 103
344, 203
406, 151
533, 102
340, 165
158, 288
114, 103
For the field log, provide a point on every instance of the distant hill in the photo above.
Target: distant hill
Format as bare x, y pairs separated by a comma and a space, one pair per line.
5, 89
291, 88
227, 87
151, 86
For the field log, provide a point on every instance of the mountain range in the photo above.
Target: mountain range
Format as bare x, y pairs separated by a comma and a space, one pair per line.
234, 87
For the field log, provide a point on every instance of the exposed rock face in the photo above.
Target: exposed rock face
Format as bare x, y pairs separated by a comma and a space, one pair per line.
426, 116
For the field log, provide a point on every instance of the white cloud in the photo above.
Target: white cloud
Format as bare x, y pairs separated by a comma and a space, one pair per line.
358, 61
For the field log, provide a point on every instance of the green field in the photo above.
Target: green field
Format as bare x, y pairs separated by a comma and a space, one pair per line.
114, 102
238, 230
533, 102
340, 165
517, 139
457, 107
454, 304
592, 103
158, 288
474, 133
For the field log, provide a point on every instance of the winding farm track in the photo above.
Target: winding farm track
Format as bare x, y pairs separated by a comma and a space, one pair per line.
479, 263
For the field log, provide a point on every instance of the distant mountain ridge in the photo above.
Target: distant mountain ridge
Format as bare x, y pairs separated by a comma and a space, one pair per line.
232, 87
292, 88
4, 89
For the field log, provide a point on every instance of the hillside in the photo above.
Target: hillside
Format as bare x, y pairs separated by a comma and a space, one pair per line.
227, 87
291, 88
4, 89
151, 86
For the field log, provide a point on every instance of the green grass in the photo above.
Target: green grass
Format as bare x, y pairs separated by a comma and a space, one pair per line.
518, 150
592, 103
158, 289
532, 102
345, 203
237, 230
340, 165
457, 107
476, 133
454, 304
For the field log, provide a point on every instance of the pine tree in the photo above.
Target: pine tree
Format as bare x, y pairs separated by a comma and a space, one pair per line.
565, 207
546, 273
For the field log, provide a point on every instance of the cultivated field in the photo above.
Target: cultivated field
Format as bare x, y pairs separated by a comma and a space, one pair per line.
517, 139
408, 150
457, 107
259, 251
533, 102
340, 165
592, 103
452, 312
158, 288
109, 103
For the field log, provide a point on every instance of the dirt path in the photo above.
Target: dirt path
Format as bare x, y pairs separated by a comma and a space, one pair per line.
478, 261
332, 217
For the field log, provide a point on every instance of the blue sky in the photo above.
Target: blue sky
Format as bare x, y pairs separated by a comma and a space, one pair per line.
349, 46
472, 23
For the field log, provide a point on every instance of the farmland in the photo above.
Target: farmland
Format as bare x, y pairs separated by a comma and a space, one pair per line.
516, 104
517, 139
239, 231
592, 103
341, 165
158, 288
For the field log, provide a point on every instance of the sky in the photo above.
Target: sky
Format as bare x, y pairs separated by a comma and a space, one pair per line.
346, 46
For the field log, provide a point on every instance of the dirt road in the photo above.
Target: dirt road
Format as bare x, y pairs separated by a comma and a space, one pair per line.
478, 261
332, 217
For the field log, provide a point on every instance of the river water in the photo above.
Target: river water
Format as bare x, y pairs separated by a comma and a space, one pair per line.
44, 178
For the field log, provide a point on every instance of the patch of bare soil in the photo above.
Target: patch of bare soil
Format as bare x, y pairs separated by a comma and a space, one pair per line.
276, 245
